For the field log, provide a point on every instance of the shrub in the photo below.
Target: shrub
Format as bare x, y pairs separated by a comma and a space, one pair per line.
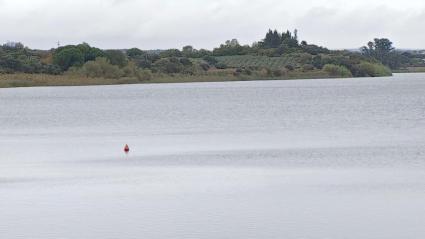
279, 72
51, 69
102, 68
210, 60
317, 62
308, 67
185, 61
168, 65
290, 67
245, 71
116, 57
144, 75
131, 70
204, 66
337, 71
373, 69
265, 72
221, 66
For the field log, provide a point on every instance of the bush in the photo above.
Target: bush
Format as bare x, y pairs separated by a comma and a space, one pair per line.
116, 57
185, 61
204, 66
170, 53
144, 75
221, 65
307, 67
373, 69
265, 72
102, 68
290, 67
337, 71
317, 62
210, 60
131, 70
244, 71
168, 65
51, 69
279, 73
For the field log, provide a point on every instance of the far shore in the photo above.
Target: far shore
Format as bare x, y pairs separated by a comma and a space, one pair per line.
34, 80
40, 80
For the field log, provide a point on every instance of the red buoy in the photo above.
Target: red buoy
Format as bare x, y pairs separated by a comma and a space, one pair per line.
126, 149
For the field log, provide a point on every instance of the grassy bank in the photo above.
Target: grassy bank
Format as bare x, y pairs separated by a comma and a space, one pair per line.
29, 80
411, 70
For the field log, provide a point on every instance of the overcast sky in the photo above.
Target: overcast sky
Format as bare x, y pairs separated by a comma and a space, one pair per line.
154, 24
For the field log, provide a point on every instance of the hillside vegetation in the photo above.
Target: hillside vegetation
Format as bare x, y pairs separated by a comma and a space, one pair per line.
277, 56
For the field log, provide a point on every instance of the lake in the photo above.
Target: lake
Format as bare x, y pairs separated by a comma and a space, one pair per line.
330, 158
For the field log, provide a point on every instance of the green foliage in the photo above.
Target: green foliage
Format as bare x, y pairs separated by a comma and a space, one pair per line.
279, 72
170, 53
242, 71
205, 66
230, 48
278, 54
90, 53
383, 51
131, 70
210, 60
185, 61
68, 56
168, 65
221, 65
285, 40
116, 57
373, 69
337, 71
189, 51
317, 62
255, 61
102, 68
146, 60
135, 52
307, 67
314, 49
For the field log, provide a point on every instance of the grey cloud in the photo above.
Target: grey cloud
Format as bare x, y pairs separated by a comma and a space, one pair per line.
354, 27
170, 23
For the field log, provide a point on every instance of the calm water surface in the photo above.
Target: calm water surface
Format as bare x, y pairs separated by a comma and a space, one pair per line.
325, 158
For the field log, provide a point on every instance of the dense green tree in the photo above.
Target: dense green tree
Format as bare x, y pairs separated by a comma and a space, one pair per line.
116, 57
285, 41
68, 56
90, 53
189, 51
168, 65
231, 47
382, 50
135, 52
170, 53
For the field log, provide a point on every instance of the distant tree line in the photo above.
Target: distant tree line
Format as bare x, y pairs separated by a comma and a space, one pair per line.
382, 50
373, 59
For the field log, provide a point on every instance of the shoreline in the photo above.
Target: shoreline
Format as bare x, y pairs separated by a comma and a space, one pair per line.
22, 80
